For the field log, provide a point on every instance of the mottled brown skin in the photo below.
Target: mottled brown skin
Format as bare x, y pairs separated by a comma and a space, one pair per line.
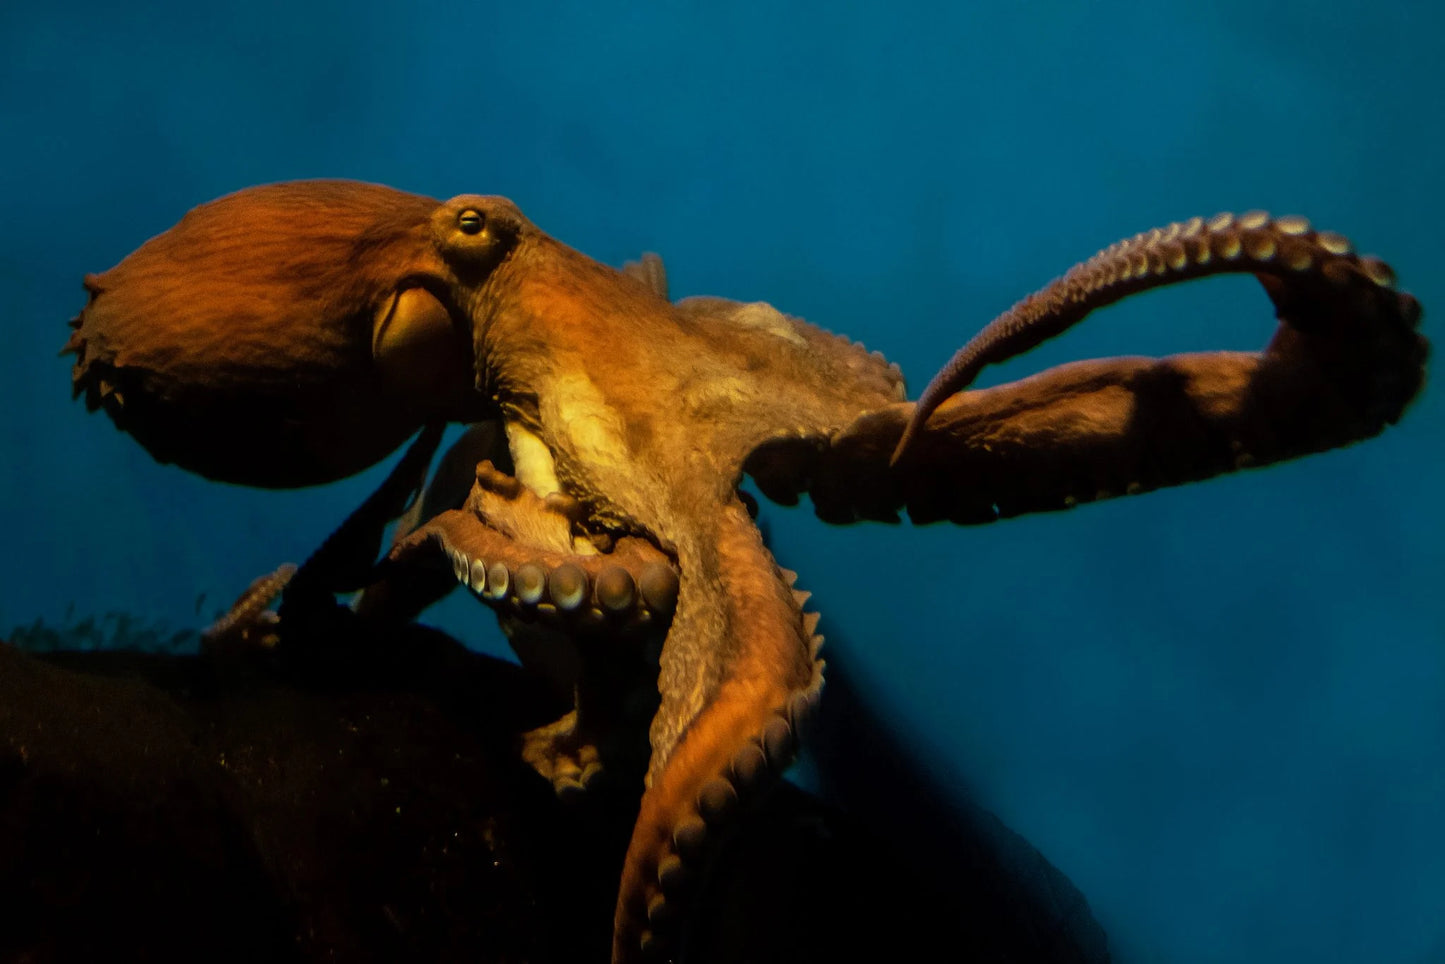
631, 419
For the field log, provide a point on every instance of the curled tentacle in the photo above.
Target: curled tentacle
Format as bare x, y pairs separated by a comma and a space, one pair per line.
589, 622
1343, 364
1286, 248
632, 585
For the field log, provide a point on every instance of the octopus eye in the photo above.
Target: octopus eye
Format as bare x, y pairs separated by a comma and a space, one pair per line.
471, 221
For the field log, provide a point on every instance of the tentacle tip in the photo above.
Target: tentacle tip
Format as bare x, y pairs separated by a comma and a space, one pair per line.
899, 451
904, 447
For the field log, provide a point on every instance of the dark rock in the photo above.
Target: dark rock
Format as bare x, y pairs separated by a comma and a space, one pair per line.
362, 800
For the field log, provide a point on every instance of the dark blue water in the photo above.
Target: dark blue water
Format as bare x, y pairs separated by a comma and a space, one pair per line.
1220, 710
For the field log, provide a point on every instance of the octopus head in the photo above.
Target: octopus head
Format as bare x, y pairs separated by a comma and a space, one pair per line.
292, 334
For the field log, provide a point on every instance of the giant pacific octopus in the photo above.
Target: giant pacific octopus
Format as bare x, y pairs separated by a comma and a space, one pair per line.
293, 334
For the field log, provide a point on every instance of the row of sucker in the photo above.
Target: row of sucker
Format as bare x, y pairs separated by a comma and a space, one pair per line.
1287, 247
608, 594
250, 621
753, 769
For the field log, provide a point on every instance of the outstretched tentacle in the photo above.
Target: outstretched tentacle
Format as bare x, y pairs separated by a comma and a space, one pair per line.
1344, 362
1287, 248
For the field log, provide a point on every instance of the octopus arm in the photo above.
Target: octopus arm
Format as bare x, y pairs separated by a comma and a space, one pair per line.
631, 585
344, 562
739, 674
1344, 362
586, 621
1295, 262
400, 592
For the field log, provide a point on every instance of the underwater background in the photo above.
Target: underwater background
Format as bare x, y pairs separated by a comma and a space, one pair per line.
1220, 709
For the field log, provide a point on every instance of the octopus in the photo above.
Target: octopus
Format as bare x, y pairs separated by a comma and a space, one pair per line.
293, 334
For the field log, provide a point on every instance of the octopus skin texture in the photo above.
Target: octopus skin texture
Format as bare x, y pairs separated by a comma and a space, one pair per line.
292, 334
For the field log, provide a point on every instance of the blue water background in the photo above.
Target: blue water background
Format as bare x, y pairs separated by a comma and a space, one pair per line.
1220, 710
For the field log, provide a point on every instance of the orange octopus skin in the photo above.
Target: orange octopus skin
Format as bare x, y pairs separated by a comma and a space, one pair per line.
247, 328
632, 417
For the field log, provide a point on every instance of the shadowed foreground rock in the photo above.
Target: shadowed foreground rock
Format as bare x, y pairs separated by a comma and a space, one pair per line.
366, 803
